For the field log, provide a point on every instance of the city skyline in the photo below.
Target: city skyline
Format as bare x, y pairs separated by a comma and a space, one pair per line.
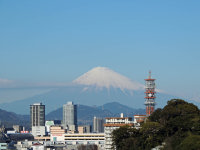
44, 45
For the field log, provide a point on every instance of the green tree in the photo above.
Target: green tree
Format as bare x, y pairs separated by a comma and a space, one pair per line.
155, 117
177, 124
125, 138
191, 142
152, 134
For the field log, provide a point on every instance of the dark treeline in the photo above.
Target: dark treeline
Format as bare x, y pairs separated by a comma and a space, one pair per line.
176, 127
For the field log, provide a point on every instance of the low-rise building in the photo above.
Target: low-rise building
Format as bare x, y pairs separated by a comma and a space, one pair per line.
84, 129
57, 133
42, 138
3, 146
38, 130
138, 119
113, 123
18, 128
86, 139
50, 123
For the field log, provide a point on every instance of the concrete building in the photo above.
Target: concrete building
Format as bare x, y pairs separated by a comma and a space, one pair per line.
139, 118
98, 125
3, 146
68, 141
18, 128
85, 139
70, 116
3, 140
50, 123
37, 115
38, 131
57, 133
58, 136
113, 123
84, 129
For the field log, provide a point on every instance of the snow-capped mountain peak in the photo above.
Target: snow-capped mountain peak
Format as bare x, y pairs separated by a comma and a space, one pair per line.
103, 77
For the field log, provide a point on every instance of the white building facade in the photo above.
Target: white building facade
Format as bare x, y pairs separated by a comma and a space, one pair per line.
58, 136
113, 123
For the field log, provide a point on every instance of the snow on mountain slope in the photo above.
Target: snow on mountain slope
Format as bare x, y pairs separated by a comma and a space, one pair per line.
103, 77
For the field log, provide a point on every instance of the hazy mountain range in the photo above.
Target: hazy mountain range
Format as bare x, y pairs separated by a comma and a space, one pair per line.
85, 114
10, 118
94, 88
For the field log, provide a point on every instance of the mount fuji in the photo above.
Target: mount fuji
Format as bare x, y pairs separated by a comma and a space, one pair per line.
96, 87
102, 77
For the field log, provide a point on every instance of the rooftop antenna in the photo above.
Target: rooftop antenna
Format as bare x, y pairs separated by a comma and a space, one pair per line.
149, 74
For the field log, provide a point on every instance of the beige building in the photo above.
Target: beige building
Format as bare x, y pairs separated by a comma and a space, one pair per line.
139, 118
84, 129
57, 133
81, 129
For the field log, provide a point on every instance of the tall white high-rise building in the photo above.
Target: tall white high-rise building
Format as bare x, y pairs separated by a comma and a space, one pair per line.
37, 116
70, 116
98, 125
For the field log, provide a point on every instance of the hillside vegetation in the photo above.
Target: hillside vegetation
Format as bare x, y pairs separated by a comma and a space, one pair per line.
176, 127
8, 119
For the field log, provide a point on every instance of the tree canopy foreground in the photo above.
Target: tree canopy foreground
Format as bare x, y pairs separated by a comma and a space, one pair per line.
175, 127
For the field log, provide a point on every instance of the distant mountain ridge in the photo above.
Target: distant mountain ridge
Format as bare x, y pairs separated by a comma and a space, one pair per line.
56, 98
96, 87
86, 113
116, 108
10, 118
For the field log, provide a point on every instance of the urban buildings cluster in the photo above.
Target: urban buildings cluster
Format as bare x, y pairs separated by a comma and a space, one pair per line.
67, 134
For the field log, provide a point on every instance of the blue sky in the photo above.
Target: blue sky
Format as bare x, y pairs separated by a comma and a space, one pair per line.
56, 41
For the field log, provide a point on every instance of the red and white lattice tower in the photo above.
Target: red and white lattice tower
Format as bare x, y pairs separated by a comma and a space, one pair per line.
150, 95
